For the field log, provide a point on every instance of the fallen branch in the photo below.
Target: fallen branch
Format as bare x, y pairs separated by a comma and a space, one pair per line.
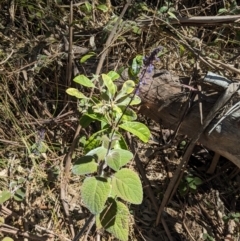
198, 20
164, 98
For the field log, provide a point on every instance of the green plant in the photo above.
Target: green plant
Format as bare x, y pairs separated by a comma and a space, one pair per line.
208, 237
109, 184
230, 7
4, 196
189, 184
232, 216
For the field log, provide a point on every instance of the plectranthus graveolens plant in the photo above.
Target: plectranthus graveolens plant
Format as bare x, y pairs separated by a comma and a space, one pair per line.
109, 182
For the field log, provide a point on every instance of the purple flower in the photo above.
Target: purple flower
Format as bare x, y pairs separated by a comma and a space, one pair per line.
153, 56
147, 69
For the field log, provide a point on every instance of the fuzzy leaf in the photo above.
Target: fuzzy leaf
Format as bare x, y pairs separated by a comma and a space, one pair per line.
94, 193
99, 153
129, 115
127, 185
172, 15
117, 158
128, 86
7, 239
19, 194
138, 129
109, 84
113, 75
115, 219
76, 93
125, 101
197, 181
4, 196
84, 165
83, 80
86, 57
121, 143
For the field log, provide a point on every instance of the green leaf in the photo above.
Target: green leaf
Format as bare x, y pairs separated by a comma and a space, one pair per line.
123, 94
189, 179
136, 65
128, 86
120, 143
197, 181
136, 30
88, 6
115, 219
86, 57
102, 7
236, 215
117, 111
99, 153
38, 148
83, 80
97, 116
7, 239
163, 9
192, 186
85, 121
117, 158
84, 165
181, 50
136, 100
76, 93
172, 15
129, 115
127, 185
19, 194
138, 129
109, 84
94, 193
144, 7
94, 141
113, 75
125, 101
222, 10
106, 140
4, 196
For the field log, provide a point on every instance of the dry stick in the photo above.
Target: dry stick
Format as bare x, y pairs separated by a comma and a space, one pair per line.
68, 157
99, 67
78, 236
223, 99
201, 20
89, 228
70, 54
7, 229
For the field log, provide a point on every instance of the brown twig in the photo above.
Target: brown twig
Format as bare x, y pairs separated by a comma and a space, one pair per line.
4, 228
68, 157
